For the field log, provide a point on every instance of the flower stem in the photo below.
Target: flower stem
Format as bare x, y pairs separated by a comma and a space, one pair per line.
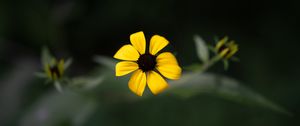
211, 62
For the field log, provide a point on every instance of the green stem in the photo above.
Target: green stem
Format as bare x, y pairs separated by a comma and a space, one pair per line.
210, 63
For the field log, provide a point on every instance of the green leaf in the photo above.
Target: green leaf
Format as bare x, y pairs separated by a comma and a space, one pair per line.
40, 75
68, 63
106, 61
46, 57
88, 82
202, 50
193, 67
211, 48
58, 86
194, 83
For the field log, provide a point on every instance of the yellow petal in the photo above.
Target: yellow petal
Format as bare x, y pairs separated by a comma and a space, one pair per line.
137, 82
54, 76
221, 43
127, 52
138, 41
233, 50
157, 43
53, 62
167, 65
61, 67
166, 58
125, 67
47, 70
156, 83
224, 52
170, 71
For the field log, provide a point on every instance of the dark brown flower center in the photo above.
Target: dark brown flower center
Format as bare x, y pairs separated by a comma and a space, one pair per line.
54, 71
147, 62
223, 47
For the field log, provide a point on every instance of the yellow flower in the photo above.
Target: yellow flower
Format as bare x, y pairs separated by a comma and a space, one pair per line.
54, 70
145, 64
226, 49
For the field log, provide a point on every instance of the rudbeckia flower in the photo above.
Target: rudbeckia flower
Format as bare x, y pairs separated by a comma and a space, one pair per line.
55, 69
226, 49
147, 65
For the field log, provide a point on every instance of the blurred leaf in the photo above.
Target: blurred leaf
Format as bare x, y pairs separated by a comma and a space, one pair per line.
194, 83
106, 61
68, 62
211, 48
58, 86
40, 75
202, 50
87, 82
46, 56
193, 67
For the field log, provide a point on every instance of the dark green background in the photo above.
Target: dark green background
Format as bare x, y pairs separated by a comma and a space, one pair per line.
267, 33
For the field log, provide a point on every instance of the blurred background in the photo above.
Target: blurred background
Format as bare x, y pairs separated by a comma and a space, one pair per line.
267, 33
